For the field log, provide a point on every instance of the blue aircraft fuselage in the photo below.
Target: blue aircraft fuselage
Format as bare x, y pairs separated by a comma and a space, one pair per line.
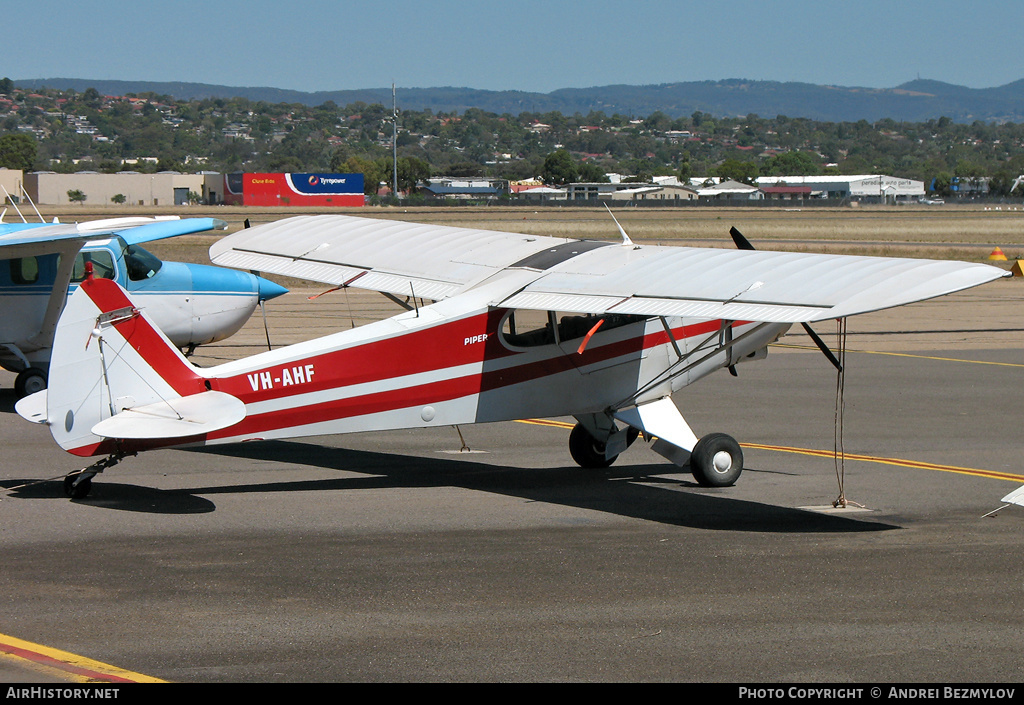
192, 304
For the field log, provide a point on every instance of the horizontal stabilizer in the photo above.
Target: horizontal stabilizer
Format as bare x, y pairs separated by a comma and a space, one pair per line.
33, 407
177, 418
1015, 497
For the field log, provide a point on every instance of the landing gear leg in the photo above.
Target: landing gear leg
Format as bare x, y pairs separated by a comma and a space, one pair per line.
78, 484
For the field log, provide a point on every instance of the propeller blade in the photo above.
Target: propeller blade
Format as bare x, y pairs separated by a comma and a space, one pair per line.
821, 346
742, 243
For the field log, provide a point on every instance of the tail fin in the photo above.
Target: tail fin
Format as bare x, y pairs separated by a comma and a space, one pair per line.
115, 376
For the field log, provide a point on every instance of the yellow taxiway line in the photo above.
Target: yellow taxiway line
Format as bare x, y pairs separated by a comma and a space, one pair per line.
917, 464
66, 666
896, 354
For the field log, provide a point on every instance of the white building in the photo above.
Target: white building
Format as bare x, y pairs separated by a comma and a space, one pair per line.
871, 187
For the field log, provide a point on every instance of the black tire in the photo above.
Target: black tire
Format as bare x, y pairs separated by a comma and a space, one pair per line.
29, 381
79, 490
716, 460
587, 452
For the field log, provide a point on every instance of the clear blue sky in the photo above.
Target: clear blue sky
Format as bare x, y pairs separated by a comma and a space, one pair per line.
524, 45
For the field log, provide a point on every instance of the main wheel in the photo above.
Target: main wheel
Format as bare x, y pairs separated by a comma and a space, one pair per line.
29, 381
716, 460
587, 452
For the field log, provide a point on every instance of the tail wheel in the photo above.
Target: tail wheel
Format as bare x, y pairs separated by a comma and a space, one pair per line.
716, 460
78, 485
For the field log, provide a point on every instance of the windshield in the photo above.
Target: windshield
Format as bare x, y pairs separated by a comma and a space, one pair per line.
140, 263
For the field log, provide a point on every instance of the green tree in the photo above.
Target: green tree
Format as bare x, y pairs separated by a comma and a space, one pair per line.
744, 172
118, 198
591, 173
559, 169
76, 195
17, 152
373, 172
411, 171
791, 164
942, 182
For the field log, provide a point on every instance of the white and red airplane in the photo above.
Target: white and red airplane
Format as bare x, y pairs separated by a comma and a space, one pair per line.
522, 327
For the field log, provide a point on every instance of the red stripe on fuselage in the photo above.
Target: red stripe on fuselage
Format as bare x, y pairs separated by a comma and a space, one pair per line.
435, 349
431, 350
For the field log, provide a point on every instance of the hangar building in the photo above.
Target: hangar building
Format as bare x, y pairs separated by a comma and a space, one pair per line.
165, 188
243, 189
861, 187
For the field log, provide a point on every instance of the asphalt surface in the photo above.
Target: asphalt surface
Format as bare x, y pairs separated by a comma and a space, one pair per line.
400, 557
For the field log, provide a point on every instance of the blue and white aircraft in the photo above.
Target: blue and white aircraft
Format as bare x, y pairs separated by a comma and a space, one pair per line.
41, 264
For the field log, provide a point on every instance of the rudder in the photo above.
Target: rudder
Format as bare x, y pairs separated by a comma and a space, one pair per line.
107, 357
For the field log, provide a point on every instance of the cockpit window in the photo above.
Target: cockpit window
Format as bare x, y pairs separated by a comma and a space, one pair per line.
102, 265
141, 263
526, 329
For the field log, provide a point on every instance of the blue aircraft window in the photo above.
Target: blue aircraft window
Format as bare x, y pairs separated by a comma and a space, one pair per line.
24, 270
141, 263
102, 265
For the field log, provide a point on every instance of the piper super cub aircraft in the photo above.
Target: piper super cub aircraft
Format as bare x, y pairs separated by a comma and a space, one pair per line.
523, 326
40, 263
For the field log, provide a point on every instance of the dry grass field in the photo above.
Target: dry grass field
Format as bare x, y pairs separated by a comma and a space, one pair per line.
939, 232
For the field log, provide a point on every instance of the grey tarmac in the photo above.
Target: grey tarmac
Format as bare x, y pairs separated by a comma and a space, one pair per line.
398, 557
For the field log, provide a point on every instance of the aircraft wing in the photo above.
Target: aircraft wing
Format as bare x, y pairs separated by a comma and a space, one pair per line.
772, 287
433, 261
165, 228
24, 240
436, 262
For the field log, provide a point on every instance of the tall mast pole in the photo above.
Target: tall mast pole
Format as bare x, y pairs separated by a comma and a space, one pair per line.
394, 142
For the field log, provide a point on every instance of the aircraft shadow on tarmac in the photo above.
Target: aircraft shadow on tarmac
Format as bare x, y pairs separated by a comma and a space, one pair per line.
639, 491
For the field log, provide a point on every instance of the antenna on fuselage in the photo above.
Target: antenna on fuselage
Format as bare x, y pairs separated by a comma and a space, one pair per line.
626, 242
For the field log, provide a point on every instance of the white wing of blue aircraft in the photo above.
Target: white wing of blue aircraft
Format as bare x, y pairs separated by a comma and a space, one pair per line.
41, 264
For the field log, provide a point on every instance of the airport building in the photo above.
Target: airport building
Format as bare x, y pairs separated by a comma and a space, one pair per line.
857, 188
243, 189
129, 188
11, 181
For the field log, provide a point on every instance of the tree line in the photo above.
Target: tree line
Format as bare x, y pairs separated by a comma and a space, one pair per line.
69, 131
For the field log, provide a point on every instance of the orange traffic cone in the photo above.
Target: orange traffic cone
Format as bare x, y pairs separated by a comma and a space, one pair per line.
997, 254
1018, 268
